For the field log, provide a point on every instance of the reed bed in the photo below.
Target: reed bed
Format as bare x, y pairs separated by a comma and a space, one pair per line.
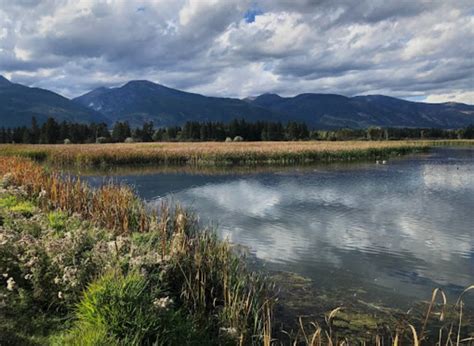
217, 153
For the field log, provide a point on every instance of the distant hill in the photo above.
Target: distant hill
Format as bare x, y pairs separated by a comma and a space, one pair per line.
336, 111
19, 103
140, 101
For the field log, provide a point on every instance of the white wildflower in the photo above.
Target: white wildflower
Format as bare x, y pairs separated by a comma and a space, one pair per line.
11, 284
5, 275
42, 194
60, 295
69, 276
57, 280
229, 331
163, 303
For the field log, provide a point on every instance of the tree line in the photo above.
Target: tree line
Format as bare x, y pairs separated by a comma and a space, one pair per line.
52, 132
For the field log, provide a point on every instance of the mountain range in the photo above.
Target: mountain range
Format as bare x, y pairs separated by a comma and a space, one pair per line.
140, 101
19, 103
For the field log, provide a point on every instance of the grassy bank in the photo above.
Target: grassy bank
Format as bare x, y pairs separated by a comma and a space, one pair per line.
85, 266
89, 267
217, 153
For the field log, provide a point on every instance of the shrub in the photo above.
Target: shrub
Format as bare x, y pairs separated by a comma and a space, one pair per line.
8, 202
57, 220
238, 139
129, 140
101, 140
12, 203
24, 208
67, 141
228, 139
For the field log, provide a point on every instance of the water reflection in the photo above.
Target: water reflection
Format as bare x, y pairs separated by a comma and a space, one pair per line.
406, 227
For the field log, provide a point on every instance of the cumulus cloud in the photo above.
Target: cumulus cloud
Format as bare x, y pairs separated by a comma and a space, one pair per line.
240, 48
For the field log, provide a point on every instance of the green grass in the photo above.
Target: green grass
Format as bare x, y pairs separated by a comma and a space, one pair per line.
122, 309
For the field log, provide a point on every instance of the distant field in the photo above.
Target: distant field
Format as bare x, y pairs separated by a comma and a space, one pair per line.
219, 153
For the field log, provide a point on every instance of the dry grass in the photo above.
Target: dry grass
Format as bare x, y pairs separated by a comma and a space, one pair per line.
211, 153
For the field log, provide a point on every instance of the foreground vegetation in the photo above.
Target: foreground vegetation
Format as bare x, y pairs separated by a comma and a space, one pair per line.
86, 266
97, 262
212, 153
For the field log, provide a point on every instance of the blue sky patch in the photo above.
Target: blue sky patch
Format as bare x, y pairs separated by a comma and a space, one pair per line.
251, 13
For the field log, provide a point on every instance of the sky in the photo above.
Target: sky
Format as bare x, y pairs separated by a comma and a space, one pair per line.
417, 50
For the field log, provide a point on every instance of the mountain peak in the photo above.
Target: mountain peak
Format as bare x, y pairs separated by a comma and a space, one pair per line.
267, 99
270, 95
141, 83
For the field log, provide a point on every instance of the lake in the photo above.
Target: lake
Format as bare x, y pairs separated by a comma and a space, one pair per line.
386, 233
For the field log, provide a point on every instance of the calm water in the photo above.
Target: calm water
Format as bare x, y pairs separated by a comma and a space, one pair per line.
388, 233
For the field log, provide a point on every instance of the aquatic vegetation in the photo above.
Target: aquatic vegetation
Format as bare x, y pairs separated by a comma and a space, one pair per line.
218, 153
441, 324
